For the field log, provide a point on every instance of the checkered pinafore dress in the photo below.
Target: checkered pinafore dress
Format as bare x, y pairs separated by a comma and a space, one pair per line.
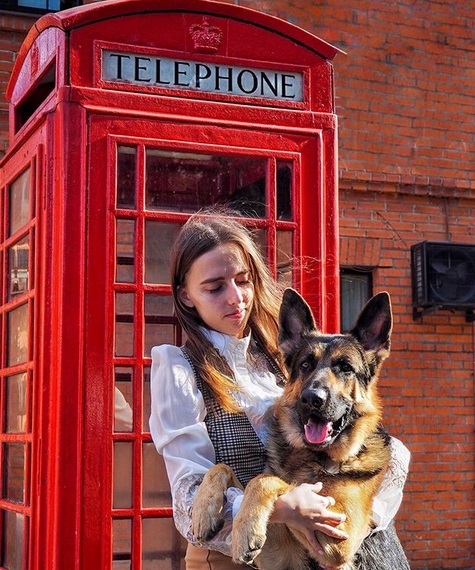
234, 440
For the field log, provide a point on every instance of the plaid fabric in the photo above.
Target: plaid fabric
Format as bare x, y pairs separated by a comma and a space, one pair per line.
235, 442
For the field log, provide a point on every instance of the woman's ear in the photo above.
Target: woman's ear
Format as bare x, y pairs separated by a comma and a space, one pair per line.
183, 296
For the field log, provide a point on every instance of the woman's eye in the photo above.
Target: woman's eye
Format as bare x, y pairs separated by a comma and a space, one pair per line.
243, 279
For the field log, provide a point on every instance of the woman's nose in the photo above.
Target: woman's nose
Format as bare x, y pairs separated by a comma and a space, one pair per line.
235, 294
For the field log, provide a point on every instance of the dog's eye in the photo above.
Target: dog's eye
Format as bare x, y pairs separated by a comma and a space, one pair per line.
306, 364
343, 367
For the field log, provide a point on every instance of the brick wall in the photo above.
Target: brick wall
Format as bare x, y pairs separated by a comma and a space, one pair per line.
407, 126
405, 88
427, 383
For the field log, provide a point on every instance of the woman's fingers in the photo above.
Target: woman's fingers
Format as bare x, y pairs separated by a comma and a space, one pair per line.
332, 531
324, 515
313, 543
305, 509
331, 501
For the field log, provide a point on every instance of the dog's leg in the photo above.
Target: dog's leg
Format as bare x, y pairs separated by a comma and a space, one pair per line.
207, 519
250, 524
339, 554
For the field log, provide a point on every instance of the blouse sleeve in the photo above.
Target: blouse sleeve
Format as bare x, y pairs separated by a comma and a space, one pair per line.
180, 435
389, 497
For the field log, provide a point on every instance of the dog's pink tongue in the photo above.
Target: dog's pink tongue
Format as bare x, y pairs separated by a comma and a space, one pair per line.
317, 432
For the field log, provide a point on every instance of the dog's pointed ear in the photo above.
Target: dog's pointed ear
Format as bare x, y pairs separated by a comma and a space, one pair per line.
374, 324
295, 321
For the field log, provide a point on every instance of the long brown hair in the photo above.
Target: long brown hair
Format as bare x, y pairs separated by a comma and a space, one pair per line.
201, 233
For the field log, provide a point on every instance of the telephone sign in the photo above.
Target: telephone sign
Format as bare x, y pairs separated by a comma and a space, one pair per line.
154, 71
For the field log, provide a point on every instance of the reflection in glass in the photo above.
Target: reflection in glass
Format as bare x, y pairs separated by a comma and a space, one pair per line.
121, 544
14, 472
284, 190
186, 182
159, 239
12, 541
146, 399
18, 262
126, 177
125, 243
124, 326
155, 334
163, 554
157, 330
19, 214
15, 408
17, 335
158, 305
260, 237
121, 564
155, 489
284, 258
122, 493
123, 399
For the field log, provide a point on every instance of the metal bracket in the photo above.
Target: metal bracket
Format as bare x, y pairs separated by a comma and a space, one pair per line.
418, 313
470, 316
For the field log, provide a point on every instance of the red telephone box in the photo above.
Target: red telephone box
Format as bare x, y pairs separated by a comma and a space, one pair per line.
126, 117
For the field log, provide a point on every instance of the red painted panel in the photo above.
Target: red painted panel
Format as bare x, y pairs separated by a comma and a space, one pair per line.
78, 124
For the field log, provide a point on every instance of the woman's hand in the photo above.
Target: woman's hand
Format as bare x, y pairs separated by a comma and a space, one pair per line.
305, 510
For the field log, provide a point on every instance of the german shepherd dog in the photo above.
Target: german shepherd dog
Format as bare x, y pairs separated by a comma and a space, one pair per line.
325, 427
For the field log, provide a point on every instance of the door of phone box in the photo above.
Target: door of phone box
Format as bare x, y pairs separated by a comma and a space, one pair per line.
125, 118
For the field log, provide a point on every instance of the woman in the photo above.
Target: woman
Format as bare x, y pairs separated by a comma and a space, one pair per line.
209, 399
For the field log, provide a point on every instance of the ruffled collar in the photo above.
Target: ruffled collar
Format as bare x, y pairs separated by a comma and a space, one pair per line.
225, 343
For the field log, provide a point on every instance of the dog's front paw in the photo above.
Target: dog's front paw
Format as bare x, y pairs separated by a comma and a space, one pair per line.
207, 518
248, 540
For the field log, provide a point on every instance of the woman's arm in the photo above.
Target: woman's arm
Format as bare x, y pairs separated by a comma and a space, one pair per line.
180, 435
388, 500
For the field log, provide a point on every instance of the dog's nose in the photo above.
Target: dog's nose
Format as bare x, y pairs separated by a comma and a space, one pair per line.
314, 397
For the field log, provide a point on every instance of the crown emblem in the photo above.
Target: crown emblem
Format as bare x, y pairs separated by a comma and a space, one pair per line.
206, 38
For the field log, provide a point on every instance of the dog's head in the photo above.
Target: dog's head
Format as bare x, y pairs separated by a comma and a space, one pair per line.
331, 400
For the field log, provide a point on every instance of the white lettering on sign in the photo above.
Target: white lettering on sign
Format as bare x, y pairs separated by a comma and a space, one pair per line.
138, 69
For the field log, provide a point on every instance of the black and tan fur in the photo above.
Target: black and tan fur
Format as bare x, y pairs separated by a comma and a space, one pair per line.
325, 427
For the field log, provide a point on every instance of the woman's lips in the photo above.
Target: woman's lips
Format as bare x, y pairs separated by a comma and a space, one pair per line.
237, 314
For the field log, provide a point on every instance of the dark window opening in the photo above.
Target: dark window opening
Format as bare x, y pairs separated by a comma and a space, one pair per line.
44, 87
356, 287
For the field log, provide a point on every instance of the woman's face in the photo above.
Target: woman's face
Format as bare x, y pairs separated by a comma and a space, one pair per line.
219, 287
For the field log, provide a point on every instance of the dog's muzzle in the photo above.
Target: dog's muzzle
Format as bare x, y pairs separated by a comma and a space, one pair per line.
322, 420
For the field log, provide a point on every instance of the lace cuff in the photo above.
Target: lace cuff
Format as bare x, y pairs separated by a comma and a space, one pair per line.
389, 497
183, 506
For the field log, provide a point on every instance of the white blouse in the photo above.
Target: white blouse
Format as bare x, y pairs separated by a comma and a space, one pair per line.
180, 435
